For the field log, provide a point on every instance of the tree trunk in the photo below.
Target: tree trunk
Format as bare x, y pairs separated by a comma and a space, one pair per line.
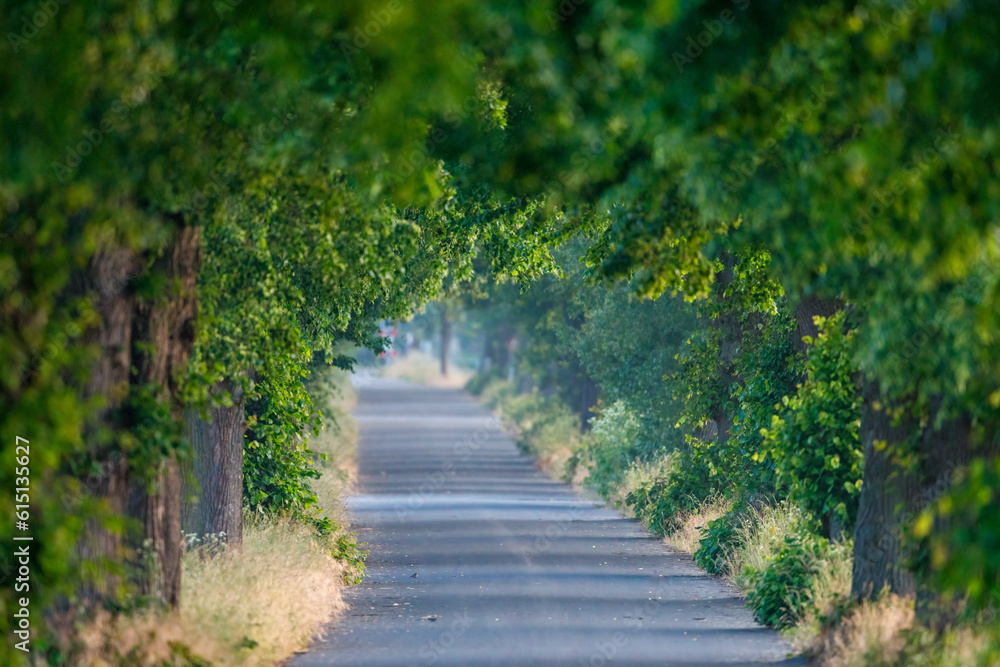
143, 344
808, 308
107, 277
589, 393
894, 493
214, 503
157, 550
162, 338
731, 332
445, 339
888, 490
943, 452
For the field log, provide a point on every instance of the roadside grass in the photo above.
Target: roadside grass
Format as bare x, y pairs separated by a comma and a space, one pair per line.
832, 630
542, 426
421, 368
887, 632
821, 619
688, 538
759, 536
637, 475
874, 634
262, 603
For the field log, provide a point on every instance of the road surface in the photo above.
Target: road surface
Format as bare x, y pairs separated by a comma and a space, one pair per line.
479, 559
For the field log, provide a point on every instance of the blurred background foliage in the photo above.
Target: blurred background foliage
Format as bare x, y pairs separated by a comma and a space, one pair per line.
200, 196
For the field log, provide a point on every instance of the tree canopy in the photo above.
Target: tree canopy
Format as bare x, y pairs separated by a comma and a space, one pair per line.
201, 196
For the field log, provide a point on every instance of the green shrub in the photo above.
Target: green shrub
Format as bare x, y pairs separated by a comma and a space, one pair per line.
612, 447
720, 538
478, 383
278, 466
692, 477
780, 594
813, 440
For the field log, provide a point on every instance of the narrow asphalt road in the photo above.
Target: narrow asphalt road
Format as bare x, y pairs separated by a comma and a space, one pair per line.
479, 559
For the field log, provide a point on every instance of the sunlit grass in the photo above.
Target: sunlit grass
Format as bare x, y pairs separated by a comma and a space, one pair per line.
418, 367
688, 538
261, 603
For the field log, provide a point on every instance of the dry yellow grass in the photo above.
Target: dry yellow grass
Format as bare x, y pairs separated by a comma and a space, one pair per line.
639, 473
886, 632
688, 538
761, 535
424, 369
276, 593
249, 608
873, 634
255, 606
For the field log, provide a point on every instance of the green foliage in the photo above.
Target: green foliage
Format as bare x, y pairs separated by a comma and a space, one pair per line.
691, 477
780, 594
853, 142
767, 370
612, 447
346, 549
699, 383
719, 539
963, 553
813, 439
277, 463
543, 423
629, 362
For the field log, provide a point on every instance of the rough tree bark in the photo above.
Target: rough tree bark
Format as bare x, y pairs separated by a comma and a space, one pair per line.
888, 488
141, 342
162, 338
107, 277
943, 451
894, 492
214, 503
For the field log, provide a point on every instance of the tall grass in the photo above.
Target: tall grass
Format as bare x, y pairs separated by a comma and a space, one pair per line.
261, 603
832, 629
761, 533
541, 425
688, 538
637, 475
